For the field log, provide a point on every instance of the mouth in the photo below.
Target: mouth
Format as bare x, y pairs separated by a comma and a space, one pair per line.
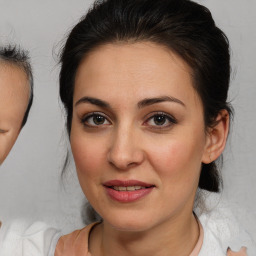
129, 188
127, 191
127, 185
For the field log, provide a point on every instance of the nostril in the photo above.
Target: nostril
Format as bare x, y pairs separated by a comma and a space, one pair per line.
125, 160
121, 165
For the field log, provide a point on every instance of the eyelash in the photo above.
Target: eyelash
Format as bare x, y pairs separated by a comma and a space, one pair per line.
2, 131
166, 118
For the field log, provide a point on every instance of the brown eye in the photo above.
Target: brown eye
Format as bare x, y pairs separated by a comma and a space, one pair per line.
98, 119
160, 119
95, 119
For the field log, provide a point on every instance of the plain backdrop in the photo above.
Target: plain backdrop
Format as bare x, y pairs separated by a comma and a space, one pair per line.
30, 182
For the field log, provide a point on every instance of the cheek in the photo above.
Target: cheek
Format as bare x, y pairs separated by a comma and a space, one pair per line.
178, 162
89, 157
178, 166
86, 155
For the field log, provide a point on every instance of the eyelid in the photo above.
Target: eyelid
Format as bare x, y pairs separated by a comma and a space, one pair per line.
3, 131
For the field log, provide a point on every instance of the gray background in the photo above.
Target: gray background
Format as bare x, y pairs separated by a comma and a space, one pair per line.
30, 184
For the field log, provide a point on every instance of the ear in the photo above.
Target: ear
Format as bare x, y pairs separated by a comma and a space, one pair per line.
216, 138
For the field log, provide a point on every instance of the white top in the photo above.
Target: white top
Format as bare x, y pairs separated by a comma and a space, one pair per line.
221, 229
23, 239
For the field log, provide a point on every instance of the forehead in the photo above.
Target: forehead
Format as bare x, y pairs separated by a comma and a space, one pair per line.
14, 92
138, 70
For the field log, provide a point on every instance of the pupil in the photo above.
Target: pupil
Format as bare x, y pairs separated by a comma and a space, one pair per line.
98, 119
159, 119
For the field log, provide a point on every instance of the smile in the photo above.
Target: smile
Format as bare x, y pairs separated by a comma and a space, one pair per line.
127, 191
130, 188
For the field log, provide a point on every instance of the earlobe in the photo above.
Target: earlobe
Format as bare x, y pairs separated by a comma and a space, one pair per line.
216, 138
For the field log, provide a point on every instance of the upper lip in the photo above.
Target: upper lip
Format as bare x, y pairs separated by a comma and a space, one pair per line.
126, 183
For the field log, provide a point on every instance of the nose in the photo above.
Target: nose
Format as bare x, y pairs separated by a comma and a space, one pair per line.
125, 150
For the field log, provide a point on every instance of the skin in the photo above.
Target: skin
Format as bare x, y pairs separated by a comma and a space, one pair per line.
14, 98
129, 144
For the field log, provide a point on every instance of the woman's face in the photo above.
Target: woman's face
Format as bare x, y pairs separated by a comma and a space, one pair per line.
14, 95
138, 136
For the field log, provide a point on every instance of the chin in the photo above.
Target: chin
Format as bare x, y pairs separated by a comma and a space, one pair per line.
130, 227
132, 222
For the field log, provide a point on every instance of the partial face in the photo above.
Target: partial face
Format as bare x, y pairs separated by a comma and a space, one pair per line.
14, 95
138, 135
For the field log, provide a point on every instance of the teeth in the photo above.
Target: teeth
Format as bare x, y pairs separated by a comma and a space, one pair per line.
129, 188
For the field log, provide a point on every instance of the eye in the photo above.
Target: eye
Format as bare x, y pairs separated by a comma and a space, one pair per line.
2, 131
160, 120
95, 119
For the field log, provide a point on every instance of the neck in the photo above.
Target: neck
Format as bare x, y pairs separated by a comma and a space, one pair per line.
176, 236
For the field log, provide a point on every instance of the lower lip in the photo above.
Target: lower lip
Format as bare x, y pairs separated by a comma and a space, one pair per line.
127, 196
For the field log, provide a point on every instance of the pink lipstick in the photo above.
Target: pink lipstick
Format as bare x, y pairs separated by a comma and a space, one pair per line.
128, 190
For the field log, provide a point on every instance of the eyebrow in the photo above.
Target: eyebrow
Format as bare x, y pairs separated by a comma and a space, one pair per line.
151, 101
141, 104
93, 101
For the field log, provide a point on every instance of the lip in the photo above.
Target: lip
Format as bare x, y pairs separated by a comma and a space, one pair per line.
126, 183
127, 196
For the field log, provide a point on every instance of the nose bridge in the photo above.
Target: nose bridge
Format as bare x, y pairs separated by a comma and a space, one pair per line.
125, 150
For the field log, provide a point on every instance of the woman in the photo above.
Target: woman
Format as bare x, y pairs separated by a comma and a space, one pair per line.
19, 237
145, 84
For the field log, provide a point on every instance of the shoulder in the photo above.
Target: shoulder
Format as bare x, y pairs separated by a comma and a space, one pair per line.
21, 238
222, 230
75, 243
